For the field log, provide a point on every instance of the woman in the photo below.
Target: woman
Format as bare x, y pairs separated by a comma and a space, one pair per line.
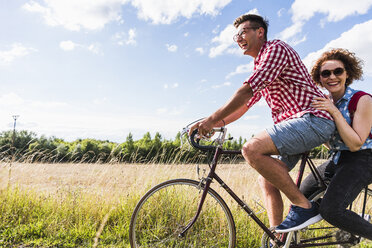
351, 144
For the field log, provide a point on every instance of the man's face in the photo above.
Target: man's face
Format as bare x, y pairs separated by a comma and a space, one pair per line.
249, 38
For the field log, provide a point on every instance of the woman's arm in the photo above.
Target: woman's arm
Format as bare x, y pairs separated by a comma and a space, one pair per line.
355, 136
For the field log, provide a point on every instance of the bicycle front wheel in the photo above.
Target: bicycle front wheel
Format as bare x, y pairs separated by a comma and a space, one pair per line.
166, 209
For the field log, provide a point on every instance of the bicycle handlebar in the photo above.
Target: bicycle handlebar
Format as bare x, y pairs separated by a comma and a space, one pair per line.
194, 139
196, 144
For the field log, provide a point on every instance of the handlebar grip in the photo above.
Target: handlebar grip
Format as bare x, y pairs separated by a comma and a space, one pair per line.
196, 144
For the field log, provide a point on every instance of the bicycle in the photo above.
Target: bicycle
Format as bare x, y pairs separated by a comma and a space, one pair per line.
189, 213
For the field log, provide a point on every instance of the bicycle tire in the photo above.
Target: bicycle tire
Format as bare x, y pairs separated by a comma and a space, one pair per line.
168, 207
336, 233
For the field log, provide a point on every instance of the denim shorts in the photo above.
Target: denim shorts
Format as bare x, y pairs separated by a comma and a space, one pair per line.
296, 136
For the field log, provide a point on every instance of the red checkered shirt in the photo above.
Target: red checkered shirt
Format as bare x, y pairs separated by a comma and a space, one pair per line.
282, 79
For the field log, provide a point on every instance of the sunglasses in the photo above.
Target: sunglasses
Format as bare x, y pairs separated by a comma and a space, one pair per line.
337, 72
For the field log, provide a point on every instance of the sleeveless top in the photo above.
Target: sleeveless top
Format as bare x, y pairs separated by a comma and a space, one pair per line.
336, 142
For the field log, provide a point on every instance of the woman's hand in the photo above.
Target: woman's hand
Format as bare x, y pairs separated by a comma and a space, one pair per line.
324, 104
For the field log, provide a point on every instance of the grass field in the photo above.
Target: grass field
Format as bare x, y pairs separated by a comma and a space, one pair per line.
89, 205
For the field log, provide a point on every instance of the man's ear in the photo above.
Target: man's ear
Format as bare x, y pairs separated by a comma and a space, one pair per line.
261, 32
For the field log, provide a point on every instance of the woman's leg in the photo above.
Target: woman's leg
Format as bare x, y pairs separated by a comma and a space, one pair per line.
310, 185
354, 174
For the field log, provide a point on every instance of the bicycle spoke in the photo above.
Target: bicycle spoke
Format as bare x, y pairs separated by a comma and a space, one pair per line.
165, 211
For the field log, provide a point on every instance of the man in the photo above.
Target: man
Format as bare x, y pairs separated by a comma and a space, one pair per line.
282, 79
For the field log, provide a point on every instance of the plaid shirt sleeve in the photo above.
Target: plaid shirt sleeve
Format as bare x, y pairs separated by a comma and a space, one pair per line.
256, 97
269, 67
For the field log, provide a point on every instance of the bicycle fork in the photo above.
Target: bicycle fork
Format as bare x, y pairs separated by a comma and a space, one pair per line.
208, 182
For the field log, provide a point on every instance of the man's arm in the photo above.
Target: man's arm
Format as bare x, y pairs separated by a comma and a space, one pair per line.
231, 111
235, 116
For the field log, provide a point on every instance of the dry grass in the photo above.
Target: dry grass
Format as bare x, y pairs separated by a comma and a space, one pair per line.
111, 181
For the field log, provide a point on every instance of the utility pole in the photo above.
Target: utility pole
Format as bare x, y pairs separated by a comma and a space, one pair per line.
12, 151
15, 117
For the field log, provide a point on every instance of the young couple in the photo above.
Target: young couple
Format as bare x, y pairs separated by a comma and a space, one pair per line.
303, 119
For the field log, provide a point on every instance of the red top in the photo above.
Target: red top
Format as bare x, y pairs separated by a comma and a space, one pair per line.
282, 79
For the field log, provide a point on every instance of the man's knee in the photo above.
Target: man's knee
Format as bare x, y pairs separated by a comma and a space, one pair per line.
258, 146
249, 152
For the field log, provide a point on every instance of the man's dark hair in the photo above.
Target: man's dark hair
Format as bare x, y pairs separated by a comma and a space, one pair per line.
255, 20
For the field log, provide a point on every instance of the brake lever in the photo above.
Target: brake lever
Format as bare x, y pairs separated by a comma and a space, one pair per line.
185, 130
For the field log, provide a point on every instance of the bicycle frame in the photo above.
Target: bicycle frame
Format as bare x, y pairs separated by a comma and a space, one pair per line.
212, 175
218, 151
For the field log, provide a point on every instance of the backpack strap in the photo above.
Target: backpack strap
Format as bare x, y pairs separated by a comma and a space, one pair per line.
353, 105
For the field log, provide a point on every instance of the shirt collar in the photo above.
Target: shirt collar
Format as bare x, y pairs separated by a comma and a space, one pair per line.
348, 94
258, 58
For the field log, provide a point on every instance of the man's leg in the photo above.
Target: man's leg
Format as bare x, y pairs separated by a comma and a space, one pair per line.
257, 153
273, 202
289, 139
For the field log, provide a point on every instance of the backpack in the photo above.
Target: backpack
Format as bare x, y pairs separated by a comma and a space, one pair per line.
353, 105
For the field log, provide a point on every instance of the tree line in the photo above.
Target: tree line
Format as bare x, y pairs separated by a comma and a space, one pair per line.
26, 146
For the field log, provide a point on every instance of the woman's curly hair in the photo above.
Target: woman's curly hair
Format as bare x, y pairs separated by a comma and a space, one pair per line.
353, 65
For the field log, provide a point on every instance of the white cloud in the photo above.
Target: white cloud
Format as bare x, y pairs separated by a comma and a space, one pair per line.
17, 50
100, 101
94, 48
67, 45
11, 99
173, 111
216, 29
225, 84
172, 86
334, 11
199, 50
280, 12
352, 41
13, 104
47, 105
225, 42
291, 31
131, 37
70, 45
122, 38
161, 110
64, 120
171, 48
247, 68
94, 15
168, 11
77, 14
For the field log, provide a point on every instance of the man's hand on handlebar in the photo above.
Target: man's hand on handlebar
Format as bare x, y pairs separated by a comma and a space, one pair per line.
204, 127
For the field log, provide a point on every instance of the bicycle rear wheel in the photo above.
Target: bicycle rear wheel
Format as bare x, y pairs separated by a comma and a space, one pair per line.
166, 209
331, 233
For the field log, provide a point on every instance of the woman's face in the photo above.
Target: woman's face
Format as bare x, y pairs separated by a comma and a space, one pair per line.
333, 76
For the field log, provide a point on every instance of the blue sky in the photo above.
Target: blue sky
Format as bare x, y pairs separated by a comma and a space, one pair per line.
104, 68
